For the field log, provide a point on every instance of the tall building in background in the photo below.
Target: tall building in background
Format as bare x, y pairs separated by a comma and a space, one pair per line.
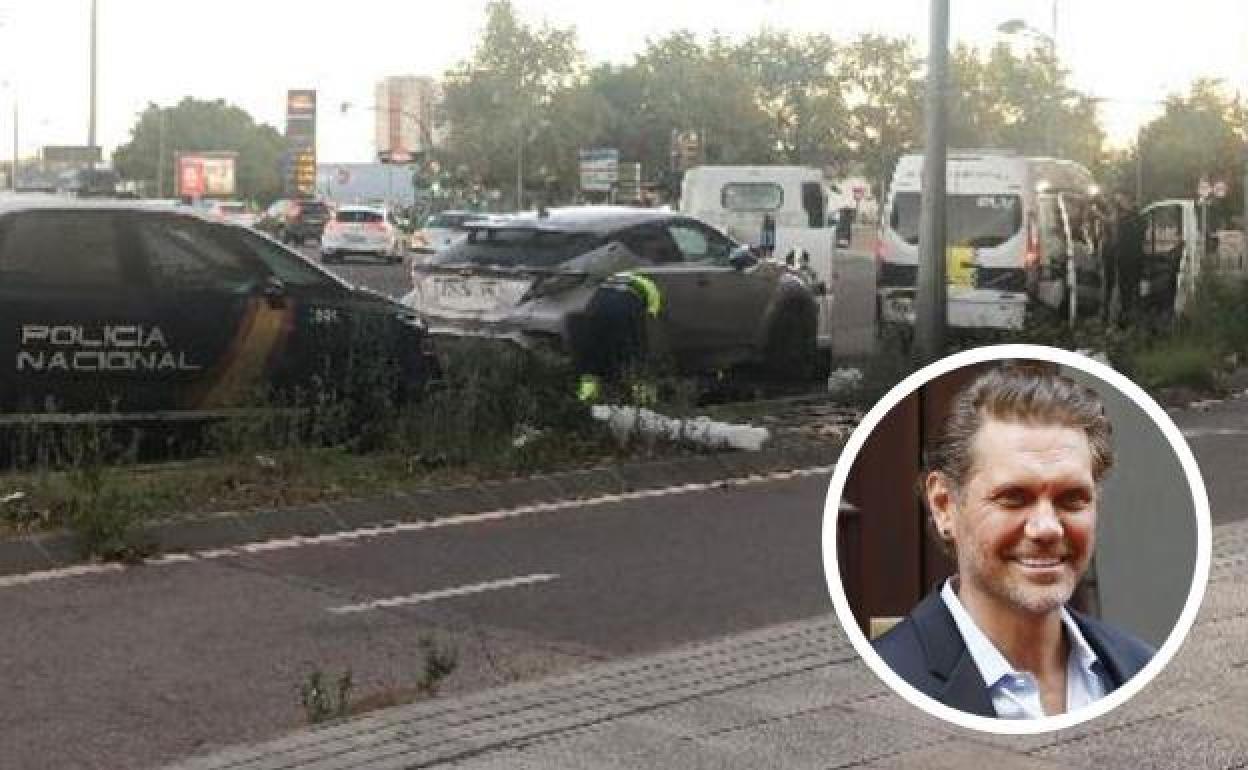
404, 106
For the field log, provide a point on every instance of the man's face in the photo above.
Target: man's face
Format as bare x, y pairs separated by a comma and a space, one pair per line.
1024, 523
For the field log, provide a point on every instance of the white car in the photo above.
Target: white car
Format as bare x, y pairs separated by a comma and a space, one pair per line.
445, 229
234, 212
367, 230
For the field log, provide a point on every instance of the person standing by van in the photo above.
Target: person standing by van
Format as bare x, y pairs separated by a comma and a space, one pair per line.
1127, 251
767, 239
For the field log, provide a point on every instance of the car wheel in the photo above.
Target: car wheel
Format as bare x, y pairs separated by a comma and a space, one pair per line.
792, 355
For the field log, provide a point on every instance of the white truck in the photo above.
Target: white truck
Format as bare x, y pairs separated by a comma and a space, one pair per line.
736, 199
1180, 245
1016, 233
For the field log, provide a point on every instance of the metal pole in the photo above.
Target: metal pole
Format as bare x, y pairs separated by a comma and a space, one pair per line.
1139, 167
1051, 140
930, 303
91, 124
160, 154
13, 181
520, 172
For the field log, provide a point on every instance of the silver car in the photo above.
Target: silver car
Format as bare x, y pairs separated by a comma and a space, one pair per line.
534, 280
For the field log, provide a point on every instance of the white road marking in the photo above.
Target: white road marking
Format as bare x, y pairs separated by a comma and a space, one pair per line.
1204, 432
445, 593
299, 541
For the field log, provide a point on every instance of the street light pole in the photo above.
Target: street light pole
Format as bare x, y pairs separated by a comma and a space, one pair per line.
931, 300
91, 122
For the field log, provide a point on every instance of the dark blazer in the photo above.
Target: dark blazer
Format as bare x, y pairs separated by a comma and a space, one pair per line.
927, 650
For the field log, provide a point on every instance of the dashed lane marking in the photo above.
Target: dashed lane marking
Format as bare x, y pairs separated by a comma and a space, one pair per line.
445, 593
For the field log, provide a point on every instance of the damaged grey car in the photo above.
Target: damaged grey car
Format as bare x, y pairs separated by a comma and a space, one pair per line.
540, 281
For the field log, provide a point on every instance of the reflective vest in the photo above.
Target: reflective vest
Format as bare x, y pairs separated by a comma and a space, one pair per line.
645, 289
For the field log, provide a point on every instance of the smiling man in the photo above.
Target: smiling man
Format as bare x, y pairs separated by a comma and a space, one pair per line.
1012, 485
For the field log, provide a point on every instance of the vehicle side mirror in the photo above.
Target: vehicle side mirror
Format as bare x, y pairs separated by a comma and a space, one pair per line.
742, 258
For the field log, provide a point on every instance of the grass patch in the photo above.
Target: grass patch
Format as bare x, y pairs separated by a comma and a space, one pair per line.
1177, 361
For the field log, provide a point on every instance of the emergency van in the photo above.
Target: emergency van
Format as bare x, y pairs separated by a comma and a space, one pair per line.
739, 199
1019, 232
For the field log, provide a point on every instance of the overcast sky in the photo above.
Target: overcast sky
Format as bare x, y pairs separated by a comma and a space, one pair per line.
249, 52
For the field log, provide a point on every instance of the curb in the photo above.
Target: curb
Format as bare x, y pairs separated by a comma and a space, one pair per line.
54, 550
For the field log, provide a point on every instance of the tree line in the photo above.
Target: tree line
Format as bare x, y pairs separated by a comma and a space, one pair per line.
528, 98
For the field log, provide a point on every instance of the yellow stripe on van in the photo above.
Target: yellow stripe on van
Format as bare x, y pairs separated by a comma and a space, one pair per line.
260, 334
960, 266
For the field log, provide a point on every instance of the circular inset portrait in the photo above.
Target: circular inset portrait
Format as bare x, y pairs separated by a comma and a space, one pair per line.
1016, 539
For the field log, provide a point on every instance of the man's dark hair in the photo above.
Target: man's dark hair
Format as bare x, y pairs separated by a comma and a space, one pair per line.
1019, 393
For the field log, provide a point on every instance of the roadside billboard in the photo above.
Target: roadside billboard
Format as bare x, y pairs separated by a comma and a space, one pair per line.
600, 169
206, 174
300, 166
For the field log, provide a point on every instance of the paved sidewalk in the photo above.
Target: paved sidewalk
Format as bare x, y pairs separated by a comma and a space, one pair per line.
794, 696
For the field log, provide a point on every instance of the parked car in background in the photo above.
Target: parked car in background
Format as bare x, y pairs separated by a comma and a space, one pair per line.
295, 221
538, 281
120, 311
234, 212
364, 230
445, 229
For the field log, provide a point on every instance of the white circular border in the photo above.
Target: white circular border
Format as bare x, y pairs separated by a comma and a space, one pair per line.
1200, 574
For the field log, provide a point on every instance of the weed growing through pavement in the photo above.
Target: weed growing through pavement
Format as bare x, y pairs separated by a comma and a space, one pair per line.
321, 701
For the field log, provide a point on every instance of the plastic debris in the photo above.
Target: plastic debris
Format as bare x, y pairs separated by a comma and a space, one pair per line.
265, 461
13, 497
844, 380
625, 421
1099, 356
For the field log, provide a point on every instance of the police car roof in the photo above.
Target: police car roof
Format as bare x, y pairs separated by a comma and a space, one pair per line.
49, 202
589, 219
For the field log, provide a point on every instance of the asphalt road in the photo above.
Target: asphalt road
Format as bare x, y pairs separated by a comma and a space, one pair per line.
149, 664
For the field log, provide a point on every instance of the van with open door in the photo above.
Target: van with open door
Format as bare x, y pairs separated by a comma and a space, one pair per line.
1020, 235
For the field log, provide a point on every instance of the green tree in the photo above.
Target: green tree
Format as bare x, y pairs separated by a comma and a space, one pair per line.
797, 85
501, 104
1200, 134
195, 125
881, 78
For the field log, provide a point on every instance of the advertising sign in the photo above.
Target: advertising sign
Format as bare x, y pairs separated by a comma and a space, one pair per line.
70, 156
599, 169
206, 174
301, 141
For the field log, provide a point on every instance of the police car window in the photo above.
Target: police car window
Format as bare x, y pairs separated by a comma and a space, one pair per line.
68, 248
183, 254
291, 269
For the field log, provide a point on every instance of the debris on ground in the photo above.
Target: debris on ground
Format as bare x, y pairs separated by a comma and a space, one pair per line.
627, 421
844, 381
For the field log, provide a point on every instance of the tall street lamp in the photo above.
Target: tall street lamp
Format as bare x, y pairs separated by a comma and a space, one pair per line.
6, 20
1049, 41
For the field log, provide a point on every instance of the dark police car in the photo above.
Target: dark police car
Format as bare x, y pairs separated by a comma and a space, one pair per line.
121, 310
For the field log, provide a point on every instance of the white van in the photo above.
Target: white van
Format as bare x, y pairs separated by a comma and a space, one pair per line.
1013, 226
737, 198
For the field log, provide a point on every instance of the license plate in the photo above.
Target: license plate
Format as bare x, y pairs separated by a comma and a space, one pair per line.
477, 294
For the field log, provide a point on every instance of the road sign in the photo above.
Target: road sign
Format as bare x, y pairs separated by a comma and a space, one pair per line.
1203, 189
1219, 189
599, 168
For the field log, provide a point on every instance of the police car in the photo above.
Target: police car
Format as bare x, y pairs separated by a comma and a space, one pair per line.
119, 310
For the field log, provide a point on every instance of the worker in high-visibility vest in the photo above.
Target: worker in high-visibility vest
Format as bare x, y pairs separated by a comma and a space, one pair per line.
621, 310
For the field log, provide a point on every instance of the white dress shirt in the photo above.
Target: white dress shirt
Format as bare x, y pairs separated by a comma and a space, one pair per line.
1016, 694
